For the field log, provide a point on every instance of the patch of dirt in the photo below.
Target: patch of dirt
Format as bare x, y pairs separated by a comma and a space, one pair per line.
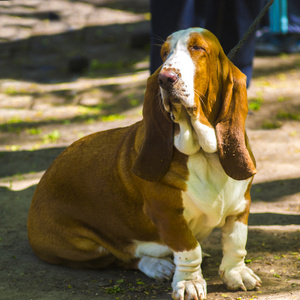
45, 106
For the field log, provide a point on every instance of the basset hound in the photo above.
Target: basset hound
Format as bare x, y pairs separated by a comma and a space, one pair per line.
145, 196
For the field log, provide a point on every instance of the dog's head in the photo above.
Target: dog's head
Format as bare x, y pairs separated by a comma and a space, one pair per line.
196, 100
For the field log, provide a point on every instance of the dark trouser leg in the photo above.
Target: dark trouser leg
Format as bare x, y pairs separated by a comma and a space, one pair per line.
232, 22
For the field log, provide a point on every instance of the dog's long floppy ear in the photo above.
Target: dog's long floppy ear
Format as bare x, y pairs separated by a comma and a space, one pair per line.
156, 152
230, 125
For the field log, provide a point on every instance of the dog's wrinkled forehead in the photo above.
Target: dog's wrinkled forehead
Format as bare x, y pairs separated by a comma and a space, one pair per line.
183, 36
191, 39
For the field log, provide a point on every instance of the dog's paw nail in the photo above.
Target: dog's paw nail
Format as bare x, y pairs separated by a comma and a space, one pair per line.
222, 274
242, 287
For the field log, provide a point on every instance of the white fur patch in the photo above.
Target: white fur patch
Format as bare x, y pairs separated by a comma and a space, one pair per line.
180, 59
234, 243
211, 194
151, 249
155, 260
188, 262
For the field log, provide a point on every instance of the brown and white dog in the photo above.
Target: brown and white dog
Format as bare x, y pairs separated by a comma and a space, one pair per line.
153, 191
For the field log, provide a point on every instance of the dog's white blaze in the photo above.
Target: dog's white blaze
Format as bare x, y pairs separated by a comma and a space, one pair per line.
180, 59
211, 194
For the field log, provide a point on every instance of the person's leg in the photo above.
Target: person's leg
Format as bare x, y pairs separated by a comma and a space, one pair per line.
294, 16
293, 26
229, 20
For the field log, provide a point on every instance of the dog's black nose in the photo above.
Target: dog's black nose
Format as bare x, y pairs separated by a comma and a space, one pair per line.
167, 78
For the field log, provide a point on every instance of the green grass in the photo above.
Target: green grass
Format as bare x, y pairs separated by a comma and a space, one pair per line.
111, 118
255, 103
283, 115
271, 124
134, 102
10, 90
12, 125
281, 99
51, 137
14, 120
34, 131
116, 289
87, 110
96, 65
10, 128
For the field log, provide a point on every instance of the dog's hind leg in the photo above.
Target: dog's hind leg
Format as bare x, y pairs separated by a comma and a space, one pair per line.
157, 268
154, 260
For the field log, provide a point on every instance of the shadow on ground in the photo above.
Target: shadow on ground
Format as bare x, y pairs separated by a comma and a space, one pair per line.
90, 52
274, 190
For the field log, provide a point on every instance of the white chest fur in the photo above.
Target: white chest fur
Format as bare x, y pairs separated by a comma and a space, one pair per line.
211, 195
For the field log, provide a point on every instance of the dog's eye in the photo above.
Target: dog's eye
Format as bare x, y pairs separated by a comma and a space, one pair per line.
164, 54
197, 48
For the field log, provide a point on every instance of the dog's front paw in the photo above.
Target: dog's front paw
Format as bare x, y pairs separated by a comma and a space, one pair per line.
189, 289
188, 282
240, 277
